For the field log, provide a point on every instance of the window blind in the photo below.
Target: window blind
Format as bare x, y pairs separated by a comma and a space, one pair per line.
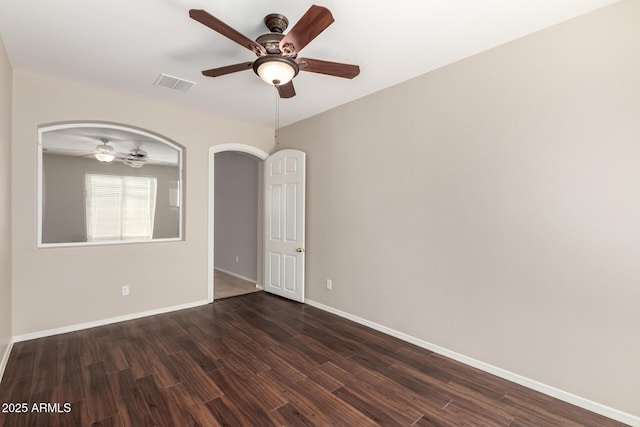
119, 207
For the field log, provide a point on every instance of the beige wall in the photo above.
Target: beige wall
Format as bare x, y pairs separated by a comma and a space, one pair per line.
56, 287
5, 201
492, 207
236, 213
63, 216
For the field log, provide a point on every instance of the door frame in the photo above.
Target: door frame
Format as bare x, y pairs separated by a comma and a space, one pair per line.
262, 155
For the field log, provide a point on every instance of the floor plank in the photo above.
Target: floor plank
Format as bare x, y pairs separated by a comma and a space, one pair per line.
100, 401
260, 360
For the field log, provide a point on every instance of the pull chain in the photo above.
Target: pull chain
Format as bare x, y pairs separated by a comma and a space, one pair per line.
276, 134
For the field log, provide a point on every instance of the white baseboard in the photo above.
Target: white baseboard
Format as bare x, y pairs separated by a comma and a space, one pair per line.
87, 325
5, 358
502, 373
231, 273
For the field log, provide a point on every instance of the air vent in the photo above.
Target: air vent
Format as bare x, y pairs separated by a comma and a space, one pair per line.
171, 82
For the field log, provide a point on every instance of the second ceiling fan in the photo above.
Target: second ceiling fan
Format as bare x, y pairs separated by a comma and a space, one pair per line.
278, 61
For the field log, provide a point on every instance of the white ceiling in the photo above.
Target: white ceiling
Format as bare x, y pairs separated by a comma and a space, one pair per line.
82, 141
126, 44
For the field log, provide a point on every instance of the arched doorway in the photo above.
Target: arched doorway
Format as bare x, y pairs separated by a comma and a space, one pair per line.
242, 148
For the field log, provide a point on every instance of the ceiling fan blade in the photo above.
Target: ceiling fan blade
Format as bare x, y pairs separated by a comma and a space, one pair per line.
287, 90
217, 25
221, 71
312, 23
336, 69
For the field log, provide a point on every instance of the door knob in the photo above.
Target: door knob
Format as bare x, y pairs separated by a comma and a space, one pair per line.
300, 250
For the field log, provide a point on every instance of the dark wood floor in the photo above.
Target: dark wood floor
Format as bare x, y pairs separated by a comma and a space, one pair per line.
258, 360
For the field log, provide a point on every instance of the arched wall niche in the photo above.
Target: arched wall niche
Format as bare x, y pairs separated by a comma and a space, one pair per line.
106, 183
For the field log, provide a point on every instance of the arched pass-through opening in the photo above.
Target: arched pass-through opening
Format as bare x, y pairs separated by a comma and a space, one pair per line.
211, 223
90, 180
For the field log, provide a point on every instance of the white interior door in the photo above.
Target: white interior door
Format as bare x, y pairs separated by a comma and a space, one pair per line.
284, 198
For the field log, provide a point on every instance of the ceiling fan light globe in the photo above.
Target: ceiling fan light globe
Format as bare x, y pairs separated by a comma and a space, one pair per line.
105, 153
275, 70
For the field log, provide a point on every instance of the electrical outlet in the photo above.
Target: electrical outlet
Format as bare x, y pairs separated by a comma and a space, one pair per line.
125, 291
237, 259
329, 284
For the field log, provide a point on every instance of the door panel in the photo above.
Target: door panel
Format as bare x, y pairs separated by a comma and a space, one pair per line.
284, 234
274, 276
275, 198
290, 213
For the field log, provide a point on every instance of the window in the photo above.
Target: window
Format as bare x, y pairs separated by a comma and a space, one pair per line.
119, 207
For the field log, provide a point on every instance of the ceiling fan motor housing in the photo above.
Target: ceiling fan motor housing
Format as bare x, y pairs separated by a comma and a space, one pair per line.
271, 43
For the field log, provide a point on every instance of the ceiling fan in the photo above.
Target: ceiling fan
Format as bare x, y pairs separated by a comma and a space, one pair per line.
135, 158
277, 62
